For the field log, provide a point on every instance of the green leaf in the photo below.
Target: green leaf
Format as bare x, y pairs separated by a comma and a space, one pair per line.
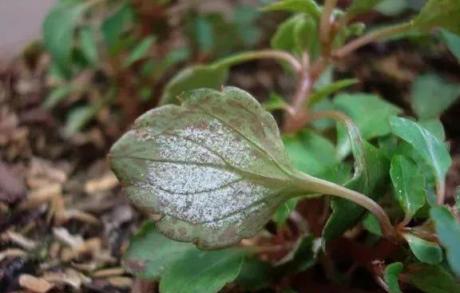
431, 95
310, 152
59, 27
434, 126
371, 224
78, 117
439, 13
202, 271
369, 112
452, 41
57, 95
433, 279
297, 34
88, 45
425, 251
214, 167
432, 151
408, 183
448, 232
255, 274
193, 77
150, 253
371, 168
391, 276
392, 7
115, 25
361, 6
331, 88
140, 51
282, 213
306, 6
275, 102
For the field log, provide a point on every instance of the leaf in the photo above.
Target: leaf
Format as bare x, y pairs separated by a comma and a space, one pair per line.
296, 34
306, 6
361, 6
408, 183
198, 76
448, 232
214, 167
391, 276
202, 271
88, 45
432, 151
115, 25
434, 126
433, 279
59, 27
452, 41
369, 112
371, 224
425, 251
431, 95
57, 95
439, 13
282, 213
140, 51
310, 152
392, 7
150, 253
255, 274
370, 169
331, 88
275, 102
78, 117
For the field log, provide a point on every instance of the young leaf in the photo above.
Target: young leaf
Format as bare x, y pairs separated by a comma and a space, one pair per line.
193, 77
432, 151
434, 126
425, 251
297, 34
391, 276
433, 279
202, 271
150, 253
59, 27
255, 274
306, 6
215, 167
408, 183
448, 231
439, 13
431, 95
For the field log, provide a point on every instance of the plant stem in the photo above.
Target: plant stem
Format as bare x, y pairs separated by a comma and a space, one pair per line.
262, 54
314, 184
440, 192
325, 24
371, 37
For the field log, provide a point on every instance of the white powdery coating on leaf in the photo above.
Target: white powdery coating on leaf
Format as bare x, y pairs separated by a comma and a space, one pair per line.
194, 184
226, 142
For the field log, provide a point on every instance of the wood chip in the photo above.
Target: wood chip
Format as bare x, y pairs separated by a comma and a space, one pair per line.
19, 240
120, 282
35, 284
12, 252
104, 183
109, 272
69, 277
41, 196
